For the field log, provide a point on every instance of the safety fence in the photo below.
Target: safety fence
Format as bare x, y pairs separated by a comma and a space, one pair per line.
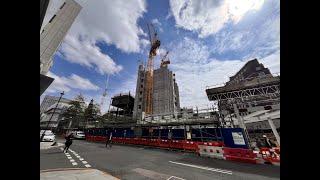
205, 149
165, 143
265, 155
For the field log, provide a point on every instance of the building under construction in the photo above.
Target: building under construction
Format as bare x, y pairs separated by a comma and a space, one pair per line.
165, 100
123, 103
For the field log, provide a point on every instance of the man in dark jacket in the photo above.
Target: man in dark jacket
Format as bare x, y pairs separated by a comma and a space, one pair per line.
109, 140
68, 142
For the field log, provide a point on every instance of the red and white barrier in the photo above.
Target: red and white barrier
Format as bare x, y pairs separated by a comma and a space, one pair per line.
211, 151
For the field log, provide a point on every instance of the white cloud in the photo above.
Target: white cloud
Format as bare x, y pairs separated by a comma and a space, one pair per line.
156, 21
208, 17
144, 43
86, 53
65, 84
256, 36
195, 70
113, 22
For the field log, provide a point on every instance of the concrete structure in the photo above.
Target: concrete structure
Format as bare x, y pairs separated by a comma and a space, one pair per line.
54, 32
124, 103
166, 102
43, 9
48, 101
251, 69
45, 117
251, 96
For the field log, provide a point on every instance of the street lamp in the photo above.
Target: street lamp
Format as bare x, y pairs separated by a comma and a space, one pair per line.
61, 94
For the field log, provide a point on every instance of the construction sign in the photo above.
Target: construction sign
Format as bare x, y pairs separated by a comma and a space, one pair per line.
188, 135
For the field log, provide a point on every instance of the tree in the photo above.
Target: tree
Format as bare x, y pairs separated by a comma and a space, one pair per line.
92, 114
73, 115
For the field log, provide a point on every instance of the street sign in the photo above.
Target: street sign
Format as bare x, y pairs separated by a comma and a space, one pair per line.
238, 138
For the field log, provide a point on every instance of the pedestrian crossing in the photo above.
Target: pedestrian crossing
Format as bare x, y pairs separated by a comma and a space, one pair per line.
77, 157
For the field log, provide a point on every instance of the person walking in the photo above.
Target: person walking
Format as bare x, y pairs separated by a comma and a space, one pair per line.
268, 142
68, 142
109, 141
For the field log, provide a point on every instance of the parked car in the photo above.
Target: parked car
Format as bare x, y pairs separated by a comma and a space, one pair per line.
48, 135
79, 135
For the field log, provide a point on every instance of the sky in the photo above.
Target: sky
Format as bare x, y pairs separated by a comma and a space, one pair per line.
208, 41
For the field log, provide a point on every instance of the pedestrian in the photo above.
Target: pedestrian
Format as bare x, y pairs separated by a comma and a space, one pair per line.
268, 142
68, 142
109, 141
259, 143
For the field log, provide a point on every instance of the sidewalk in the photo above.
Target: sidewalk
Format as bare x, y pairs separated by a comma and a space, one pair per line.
75, 173
47, 145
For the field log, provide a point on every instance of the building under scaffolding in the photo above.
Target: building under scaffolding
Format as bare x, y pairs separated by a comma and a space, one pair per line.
123, 104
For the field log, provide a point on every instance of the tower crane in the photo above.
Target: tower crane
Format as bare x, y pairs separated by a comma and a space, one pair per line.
154, 45
164, 62
103, 98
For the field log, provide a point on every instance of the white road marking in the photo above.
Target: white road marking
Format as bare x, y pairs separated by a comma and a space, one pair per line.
61, 149
175, 177
205, 168
69, 157
74, 163
80, 158
72, 160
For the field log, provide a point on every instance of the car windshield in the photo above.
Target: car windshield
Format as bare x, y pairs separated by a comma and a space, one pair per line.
80, 133
49, 134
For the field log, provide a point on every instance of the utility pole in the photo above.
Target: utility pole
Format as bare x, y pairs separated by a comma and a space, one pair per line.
61, 94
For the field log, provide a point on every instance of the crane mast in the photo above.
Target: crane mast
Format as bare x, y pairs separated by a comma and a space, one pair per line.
154, 45
104, 95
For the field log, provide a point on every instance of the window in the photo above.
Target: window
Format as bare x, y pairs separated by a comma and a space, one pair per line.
62, 5
258, 68
139, 106
141, 80
140, 99
141, 86
140, 92
52, 18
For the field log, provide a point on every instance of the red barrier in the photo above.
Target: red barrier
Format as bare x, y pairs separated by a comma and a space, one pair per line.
189, 145
238, 154
154, 142
144, 142
270, 155
100, 138
104, 139
88, 137
176, 144
136, 141
164, 143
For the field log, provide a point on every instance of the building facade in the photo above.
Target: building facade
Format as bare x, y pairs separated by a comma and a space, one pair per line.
54, 32
52, 114
166, 101
251, 69
49, 101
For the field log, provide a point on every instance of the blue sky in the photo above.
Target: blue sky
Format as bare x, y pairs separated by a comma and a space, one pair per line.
208, 40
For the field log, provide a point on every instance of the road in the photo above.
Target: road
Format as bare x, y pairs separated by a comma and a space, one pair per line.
131, 162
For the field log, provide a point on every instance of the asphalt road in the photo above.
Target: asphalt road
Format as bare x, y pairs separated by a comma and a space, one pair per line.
130, 162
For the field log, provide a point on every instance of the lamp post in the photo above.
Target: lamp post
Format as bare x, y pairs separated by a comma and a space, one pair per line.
61, 94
